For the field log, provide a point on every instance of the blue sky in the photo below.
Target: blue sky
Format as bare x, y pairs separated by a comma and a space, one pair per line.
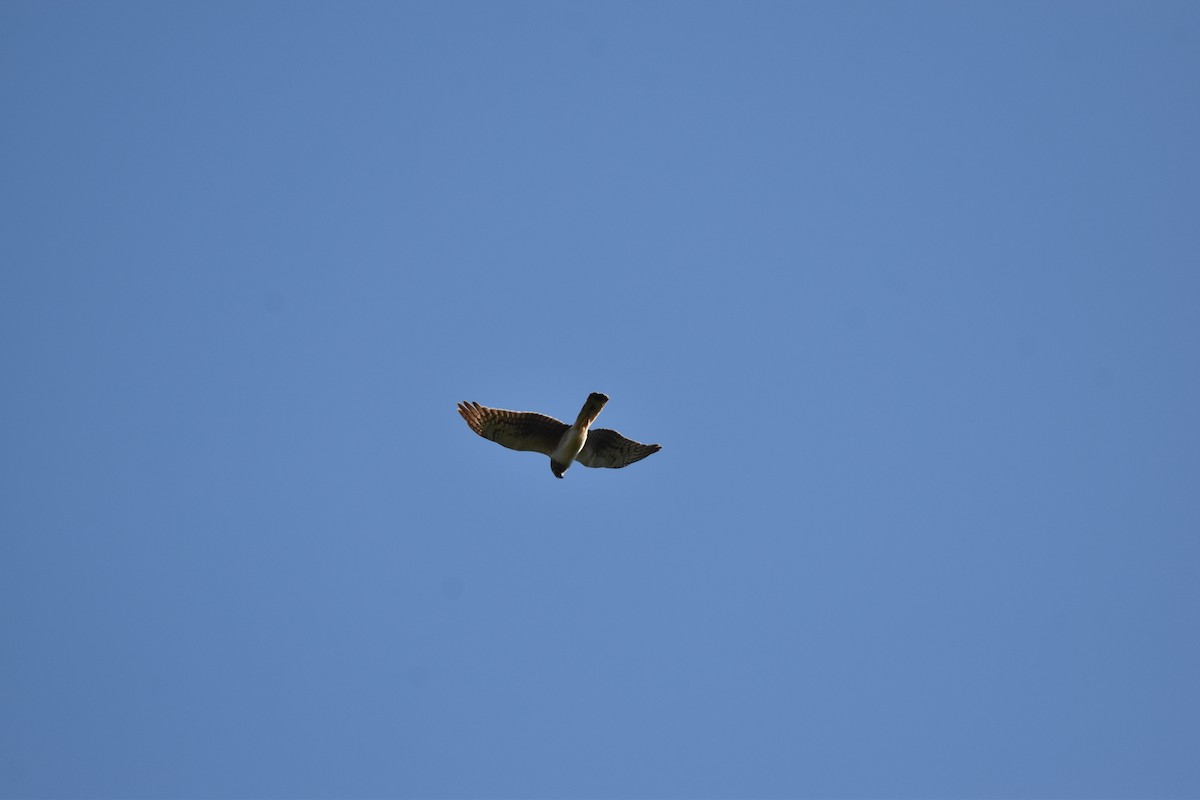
908, 292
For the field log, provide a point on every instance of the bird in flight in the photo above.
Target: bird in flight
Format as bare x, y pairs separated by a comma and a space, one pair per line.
525, 430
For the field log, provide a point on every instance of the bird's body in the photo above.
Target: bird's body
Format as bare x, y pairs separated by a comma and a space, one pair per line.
526, 430
573, 441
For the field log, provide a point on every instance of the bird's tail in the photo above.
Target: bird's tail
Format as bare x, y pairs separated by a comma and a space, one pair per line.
591, 409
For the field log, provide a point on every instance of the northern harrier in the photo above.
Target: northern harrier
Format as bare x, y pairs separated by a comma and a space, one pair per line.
525, 430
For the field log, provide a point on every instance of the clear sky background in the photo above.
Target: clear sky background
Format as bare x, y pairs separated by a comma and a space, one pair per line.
908, 292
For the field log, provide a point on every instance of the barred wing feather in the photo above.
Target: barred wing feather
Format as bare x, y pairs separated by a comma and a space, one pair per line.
607, 448
516, 430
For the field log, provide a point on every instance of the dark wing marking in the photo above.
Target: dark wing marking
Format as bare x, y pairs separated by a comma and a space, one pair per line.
607, 448
517, 430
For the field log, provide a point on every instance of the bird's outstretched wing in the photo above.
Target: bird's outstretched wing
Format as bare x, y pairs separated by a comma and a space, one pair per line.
517, 430
607, 448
